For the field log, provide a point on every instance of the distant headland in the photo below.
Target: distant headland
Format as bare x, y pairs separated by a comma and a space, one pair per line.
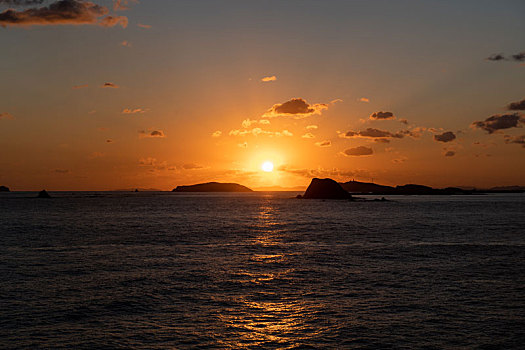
4, 189
213, 187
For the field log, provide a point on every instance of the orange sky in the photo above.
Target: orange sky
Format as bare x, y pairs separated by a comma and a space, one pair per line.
155, 95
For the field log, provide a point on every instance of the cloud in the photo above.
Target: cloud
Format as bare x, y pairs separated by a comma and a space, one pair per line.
62, 171
152, 134
382, 115
450, 154
445, 137
364, 99
95, 155
498, 122
21, 2
259, 131
359, 151
62, 12
403, 121
323, 144
76, 87
520, 57
268, 79
110, 85
109, 141
122, 5
520, 140
496, 57
296, 107
517, 106
125, 43
308, 135
311, 127
414, 132
309, 173
191, 166
133, 111
5, 115
217, 133
243, 145
144, 26
374, 133
399, 160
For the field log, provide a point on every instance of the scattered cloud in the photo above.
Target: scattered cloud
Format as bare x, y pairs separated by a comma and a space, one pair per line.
373, 133
311, 127
110, 85
518, 57
243, 145
296, 107
414, 132
445, 137
133, 110
151, 134
191, 166
217, 133
382, 116
520, 140
125, 43
449, 154
268, 79
5, 115
62, 12
95, 155
308, 135
122, 5
517, 106
364, 99
62, 171
76, 87
21, 2
323, 144
321, 173
144, 26
496, 57
399, 160
403, 121
109, 141
259, 131
358, 151
499, 122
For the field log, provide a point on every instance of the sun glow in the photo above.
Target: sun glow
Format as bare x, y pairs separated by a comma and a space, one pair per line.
267, 166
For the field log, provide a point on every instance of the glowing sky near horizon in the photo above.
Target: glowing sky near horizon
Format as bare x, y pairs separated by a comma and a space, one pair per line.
155, 94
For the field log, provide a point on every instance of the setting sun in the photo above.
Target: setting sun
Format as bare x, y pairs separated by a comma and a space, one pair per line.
267, 167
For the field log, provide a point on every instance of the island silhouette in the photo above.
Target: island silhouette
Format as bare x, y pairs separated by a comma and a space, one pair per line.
4, 189
325, 189
213, 187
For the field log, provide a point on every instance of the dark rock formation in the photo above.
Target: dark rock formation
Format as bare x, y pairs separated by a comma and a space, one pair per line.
4, 189
325, 189
213, 187
43, 194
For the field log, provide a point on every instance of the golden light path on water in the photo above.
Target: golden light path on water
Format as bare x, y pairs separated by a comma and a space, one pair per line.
269, 315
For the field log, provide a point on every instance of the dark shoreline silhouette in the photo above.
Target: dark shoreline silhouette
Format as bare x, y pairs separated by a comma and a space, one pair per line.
356, 187
4, 189
325, 189
213, 187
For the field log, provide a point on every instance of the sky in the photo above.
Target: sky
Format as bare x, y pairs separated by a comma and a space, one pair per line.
105, 95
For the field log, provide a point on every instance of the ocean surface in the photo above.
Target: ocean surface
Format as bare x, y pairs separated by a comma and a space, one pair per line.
158, 270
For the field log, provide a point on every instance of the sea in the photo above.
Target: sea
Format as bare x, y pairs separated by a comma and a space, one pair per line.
262, 270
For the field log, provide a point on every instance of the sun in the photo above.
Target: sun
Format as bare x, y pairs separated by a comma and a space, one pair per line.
267, 166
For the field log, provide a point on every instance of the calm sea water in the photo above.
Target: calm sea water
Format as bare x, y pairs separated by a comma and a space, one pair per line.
263, 270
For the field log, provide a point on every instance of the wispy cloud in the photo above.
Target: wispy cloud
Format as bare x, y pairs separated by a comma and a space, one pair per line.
364, 99
110, 85
125, 43
520, 140
259, 131
133, 110
324, 144
373, 133
76, 87
5, 115
144, 26
308, 135
62, 12
518, 57
269, 79
217, 133
517, 106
